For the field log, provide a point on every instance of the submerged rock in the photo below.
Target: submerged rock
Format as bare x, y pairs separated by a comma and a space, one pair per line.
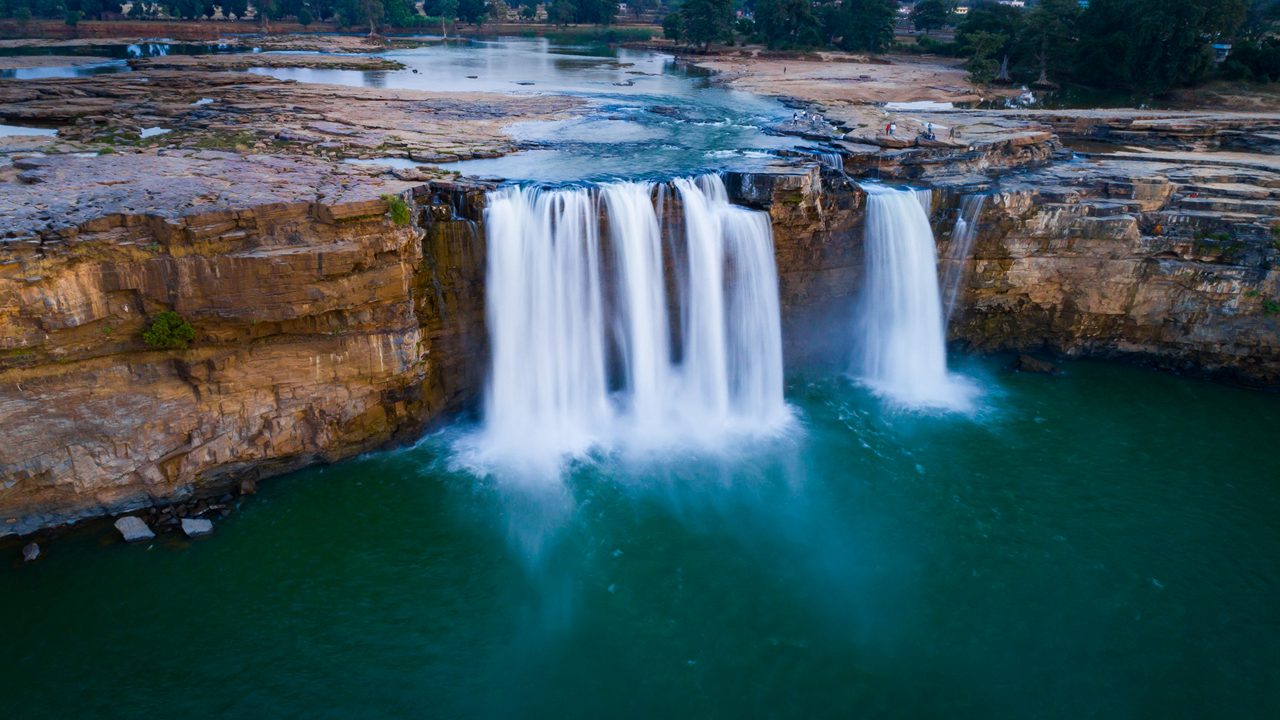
134, 529
30, 552
1028, 364
196, 527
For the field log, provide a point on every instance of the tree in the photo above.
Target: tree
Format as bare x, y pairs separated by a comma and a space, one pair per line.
1261, 19
860, 25
977, 30
234, 8
982, 64
473, 11
445, 10
1049, 35
931, 15
561, 13
673, 26
1153, 45
787, 23
266, 10
707, 21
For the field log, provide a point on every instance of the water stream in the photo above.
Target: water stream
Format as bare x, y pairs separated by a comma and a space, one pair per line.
901, 337
565, 300
955, 268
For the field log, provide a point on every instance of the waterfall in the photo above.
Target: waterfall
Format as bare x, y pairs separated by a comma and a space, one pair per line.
643, 336
585, 353
902, 352
548, 386
956, 264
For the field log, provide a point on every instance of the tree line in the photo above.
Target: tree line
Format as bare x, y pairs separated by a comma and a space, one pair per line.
346, 13
854, 25
1137, 45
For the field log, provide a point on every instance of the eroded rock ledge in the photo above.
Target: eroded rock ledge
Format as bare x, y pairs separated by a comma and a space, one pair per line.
1173, 263
323, 329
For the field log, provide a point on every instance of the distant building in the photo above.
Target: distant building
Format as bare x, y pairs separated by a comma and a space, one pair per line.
1221, 51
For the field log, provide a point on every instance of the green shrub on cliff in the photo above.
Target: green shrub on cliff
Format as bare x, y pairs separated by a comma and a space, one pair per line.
399, 209
168, 331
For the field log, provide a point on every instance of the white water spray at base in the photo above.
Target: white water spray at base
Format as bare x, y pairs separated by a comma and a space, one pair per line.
902, 352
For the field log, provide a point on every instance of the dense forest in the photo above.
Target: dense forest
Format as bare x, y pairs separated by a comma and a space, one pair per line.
1139, 45
1134, 45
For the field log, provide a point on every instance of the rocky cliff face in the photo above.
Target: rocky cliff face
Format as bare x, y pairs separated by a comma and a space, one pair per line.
1172, 263
817, 236
322, 330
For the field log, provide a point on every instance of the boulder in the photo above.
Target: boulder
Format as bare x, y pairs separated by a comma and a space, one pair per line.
196, 527
134, 529
1028, 364
30, 552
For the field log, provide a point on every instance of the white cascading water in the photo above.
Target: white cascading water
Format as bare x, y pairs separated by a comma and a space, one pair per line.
902, 353
962, 237
548, 383
562, 301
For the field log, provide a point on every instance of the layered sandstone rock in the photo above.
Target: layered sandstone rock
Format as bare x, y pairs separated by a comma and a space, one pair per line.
322, 330
817, 236
1172, 263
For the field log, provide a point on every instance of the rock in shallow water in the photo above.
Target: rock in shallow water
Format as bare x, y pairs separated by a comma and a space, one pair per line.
195, 527
134, 529
1029, 364
30, 552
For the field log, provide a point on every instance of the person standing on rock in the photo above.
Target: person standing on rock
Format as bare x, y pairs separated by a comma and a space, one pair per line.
893, 128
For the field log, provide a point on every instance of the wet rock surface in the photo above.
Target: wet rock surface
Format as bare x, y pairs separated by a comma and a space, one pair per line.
133, 529
243, 112
196, 527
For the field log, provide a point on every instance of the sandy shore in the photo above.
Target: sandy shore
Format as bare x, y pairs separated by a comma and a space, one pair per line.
847, 78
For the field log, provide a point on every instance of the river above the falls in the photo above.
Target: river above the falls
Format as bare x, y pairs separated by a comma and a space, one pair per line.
646, 115
1101, 544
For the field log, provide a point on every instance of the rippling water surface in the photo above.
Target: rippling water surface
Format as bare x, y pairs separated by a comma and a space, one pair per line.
645, 115
1102, 544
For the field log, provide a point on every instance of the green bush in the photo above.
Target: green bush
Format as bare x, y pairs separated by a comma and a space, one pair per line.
399, 209
168, 331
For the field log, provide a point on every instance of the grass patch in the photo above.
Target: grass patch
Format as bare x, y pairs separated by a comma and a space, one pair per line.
1270, 307
168, 331
398, 208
